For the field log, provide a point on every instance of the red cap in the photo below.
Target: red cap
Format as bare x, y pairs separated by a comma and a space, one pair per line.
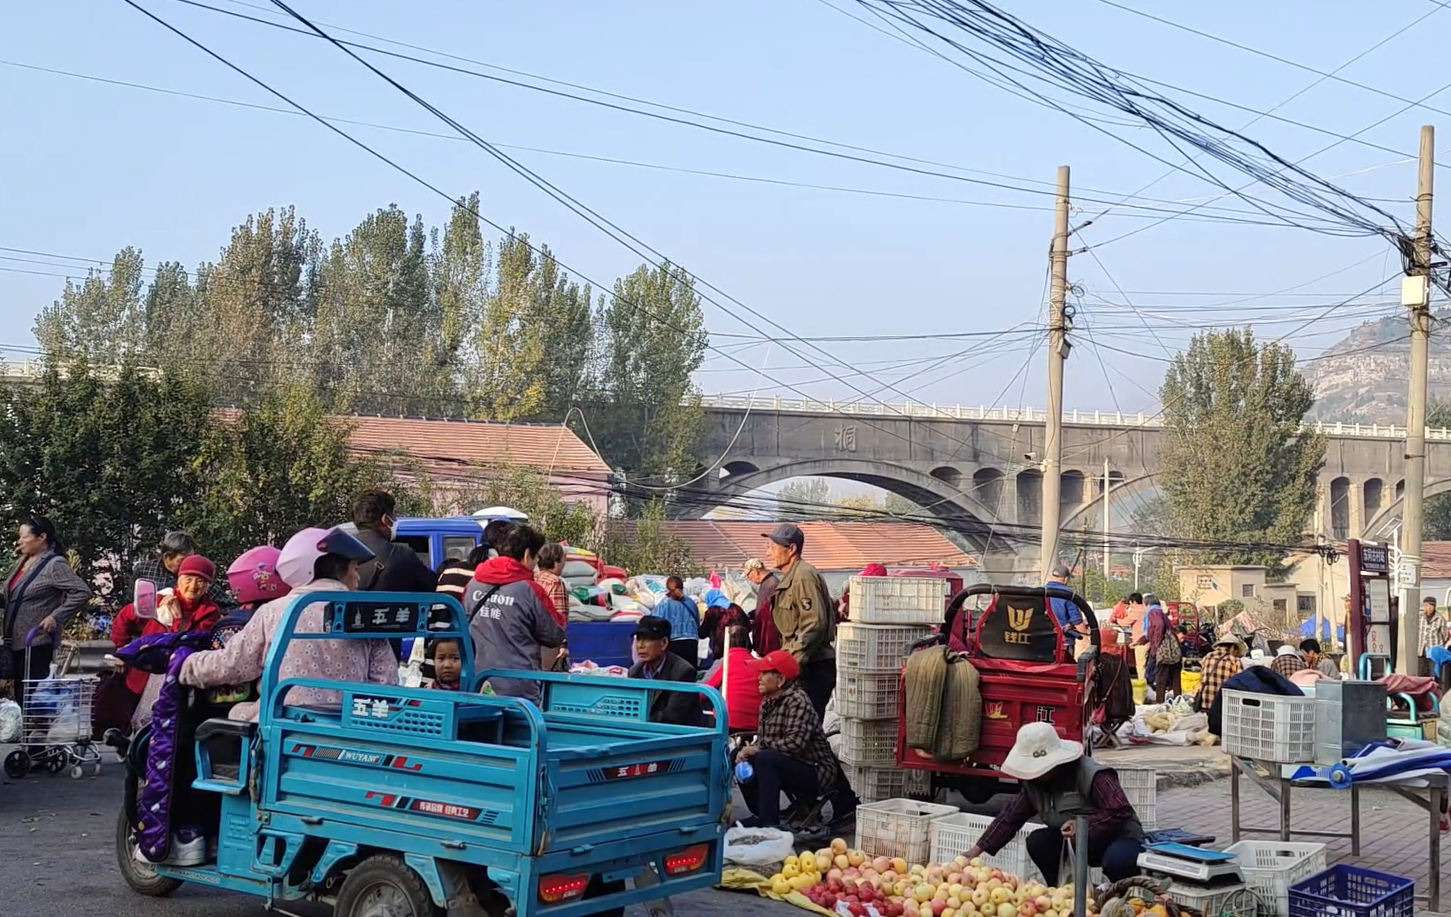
778, 661
197, 565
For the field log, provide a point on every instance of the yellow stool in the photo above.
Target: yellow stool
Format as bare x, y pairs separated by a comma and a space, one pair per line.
1141, 690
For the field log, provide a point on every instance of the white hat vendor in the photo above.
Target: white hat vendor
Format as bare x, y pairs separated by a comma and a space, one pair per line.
1058, 784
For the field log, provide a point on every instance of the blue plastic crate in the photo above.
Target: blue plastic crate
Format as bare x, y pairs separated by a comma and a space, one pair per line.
1349, 891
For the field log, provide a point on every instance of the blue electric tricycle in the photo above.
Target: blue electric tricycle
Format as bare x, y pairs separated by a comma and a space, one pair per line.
411, 802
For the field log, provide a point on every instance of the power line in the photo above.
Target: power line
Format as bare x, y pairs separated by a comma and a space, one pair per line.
1212, 215
1332, 75
1038, 56
1045, 192
606, 226
1282, 104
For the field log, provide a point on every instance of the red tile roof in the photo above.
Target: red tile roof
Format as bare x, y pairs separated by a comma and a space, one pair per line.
1436, 560
450, 446
442, 444
829, 545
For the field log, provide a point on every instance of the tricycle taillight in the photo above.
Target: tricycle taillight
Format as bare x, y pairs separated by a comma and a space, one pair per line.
688, 860
561, 887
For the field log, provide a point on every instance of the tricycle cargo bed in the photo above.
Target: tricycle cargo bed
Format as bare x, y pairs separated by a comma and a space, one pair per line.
476, 767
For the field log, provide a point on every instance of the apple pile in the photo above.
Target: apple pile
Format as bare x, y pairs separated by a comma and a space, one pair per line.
850, 882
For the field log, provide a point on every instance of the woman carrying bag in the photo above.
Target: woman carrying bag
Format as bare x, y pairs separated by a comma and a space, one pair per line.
42, 592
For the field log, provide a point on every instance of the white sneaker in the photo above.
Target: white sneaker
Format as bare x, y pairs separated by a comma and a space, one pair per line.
190, 852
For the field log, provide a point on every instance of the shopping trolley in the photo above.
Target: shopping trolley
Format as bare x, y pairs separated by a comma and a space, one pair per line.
55, 727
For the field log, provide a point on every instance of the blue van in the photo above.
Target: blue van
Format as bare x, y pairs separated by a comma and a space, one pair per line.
449, 538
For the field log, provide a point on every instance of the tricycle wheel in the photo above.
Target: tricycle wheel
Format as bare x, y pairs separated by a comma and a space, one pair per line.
17, 764
384, 886
140, 876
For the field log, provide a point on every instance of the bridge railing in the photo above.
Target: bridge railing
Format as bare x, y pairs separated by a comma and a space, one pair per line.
34, 370
1118, 419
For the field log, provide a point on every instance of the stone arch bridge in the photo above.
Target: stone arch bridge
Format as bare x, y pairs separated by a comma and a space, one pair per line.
978, 468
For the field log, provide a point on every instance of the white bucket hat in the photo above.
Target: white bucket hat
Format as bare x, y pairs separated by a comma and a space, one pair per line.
1038, 750
1287, 650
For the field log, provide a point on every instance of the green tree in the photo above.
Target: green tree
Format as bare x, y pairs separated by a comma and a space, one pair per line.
251, 308
111, 462
530, 492
562, 320
648, 419
1436, 518
1234, 462
275, 467
508, 376
460, 266
376, 323
805, 498
647, 545
102, 317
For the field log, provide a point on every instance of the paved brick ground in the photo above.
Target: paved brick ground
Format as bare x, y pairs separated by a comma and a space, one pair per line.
1393, 831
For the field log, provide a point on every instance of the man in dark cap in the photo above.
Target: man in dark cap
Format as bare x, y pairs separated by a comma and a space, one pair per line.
657, 663
1070, 619
804, 613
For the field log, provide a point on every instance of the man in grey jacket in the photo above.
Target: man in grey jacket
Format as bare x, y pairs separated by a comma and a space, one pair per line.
509, 613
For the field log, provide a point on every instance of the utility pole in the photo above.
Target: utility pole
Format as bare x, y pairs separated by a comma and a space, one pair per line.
1107, 553
1057, 353
1416, 296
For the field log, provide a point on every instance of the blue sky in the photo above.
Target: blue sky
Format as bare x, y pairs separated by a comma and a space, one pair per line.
88, 167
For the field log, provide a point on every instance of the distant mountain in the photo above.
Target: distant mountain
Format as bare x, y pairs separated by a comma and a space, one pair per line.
1363, 379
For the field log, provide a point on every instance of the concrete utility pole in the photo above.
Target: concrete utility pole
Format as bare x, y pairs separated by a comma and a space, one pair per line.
1107, 552
1057, 353
1416, 296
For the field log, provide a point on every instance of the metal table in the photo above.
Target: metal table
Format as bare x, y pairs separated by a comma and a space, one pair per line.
1431, 798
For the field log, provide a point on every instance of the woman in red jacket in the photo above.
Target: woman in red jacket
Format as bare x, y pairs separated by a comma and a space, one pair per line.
187, 608
743, 694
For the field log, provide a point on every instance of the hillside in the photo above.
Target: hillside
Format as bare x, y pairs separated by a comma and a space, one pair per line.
1360, 385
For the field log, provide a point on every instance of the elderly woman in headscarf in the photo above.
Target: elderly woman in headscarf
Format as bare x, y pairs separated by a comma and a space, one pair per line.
186, 607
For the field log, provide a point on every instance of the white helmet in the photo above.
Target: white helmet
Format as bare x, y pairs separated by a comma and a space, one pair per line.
298, 560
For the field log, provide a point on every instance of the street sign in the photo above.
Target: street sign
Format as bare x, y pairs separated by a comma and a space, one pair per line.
1375, 560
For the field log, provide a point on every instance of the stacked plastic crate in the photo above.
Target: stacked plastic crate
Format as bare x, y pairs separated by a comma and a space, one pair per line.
889, 614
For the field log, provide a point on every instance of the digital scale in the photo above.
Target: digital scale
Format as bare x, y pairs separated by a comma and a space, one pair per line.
1202, 867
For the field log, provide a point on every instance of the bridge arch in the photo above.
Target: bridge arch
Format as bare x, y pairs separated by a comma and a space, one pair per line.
937, 497
1381, 520
1130, 488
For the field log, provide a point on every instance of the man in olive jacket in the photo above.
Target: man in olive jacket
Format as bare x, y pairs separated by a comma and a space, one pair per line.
804, 613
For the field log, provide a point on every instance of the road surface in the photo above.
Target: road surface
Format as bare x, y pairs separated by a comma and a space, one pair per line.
57, 860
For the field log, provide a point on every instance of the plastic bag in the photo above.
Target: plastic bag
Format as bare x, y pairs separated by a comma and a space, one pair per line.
10, 718
758, 846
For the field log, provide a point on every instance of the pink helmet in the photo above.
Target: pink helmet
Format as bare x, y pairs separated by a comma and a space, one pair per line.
254, 577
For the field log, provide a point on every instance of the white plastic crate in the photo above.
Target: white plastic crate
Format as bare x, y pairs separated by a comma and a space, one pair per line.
954, 835
897, 599
898, 828
1271, 867
867, 696
873, 784
876, 647
1269, 727
1142, 789
1226, 901
872, 742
